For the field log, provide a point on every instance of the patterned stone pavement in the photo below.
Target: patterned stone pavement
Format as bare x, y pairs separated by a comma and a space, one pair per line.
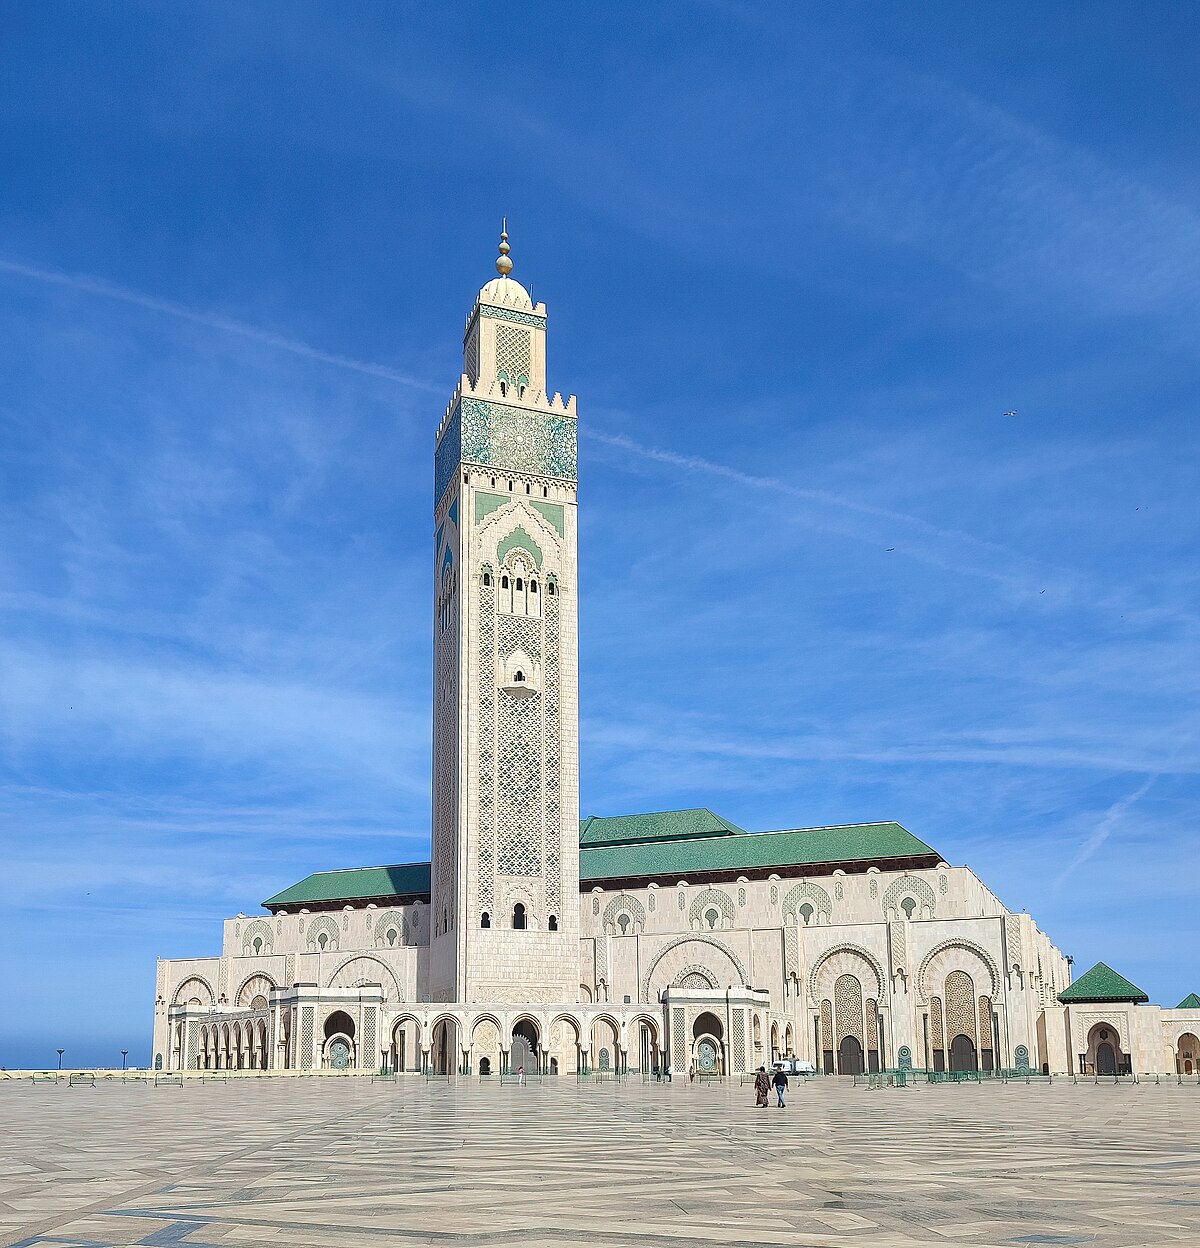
347, 1162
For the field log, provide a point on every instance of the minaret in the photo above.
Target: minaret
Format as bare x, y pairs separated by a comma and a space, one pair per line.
505, 922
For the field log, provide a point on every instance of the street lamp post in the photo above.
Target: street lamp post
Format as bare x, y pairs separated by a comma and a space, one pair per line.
124, 1059
60, 1053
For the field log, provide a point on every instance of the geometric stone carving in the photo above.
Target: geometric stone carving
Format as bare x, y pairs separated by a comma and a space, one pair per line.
914, 889
821, 907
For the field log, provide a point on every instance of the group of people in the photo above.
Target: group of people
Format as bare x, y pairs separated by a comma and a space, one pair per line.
763, 1082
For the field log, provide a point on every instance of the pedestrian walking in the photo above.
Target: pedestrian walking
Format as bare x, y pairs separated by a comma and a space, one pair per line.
762, 1088
520, 1076
781, 1083
692, 1073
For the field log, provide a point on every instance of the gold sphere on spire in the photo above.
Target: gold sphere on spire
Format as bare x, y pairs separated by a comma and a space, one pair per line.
504, 266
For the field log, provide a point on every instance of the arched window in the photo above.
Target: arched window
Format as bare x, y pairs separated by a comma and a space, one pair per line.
623, 923
527, 487
519, 585
519, 917
323, 939
487, 578
485, 919
258, 944
806, 913
392, 936
533, 587
545, 491
908, 905
518, 678
550, 589
504, 582
503, 388
552, 925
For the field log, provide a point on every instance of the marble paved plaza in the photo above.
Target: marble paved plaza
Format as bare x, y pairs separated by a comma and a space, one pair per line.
347, 1162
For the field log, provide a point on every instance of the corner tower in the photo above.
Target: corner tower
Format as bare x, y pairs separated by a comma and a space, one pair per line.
505, 898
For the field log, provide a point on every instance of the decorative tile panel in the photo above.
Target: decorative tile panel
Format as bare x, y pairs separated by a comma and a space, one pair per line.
500, 435
511, 314
487, 744
960, 1005
512, 353
306, 1038
739, 1041
848, 1007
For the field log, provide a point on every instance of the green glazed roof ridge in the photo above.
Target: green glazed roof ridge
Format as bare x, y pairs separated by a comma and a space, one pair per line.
348, 883
1101, 984
688, 823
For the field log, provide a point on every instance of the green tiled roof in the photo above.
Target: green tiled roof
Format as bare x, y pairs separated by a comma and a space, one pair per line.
1190, 1002
675, 843
1100, 984
808, 847
359, 883
665, 825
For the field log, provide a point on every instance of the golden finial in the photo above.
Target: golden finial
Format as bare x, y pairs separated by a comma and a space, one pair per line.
504, 266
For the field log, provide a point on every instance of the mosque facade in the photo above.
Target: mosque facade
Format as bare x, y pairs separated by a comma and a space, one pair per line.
670, 940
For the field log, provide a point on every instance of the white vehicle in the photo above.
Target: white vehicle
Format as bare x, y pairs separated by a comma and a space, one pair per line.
791, 1066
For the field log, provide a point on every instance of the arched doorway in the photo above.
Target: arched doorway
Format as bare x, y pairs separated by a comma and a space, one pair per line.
708, 1050
1104, 1054
339, 1040
1187, 1053
524, 1051
850, 1056
444, 1050
962, 1053
1106, 1059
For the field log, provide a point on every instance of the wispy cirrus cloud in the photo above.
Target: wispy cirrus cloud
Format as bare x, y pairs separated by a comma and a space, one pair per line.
89, 285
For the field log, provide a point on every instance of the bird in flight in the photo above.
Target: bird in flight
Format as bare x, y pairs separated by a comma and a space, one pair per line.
1012, 413
890, 549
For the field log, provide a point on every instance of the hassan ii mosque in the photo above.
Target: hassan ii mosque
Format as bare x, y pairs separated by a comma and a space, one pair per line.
628, 942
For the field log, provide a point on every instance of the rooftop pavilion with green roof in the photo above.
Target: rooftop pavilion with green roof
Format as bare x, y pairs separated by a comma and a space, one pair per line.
1102, 985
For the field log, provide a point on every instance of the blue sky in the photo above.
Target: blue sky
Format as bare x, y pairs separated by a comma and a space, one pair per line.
799, 262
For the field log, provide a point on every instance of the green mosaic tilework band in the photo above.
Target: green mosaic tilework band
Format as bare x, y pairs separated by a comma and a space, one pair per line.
511, 314
486, 503
502, 436
554, 512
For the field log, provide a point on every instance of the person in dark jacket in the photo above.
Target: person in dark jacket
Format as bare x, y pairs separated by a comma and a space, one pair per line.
781, 1083
762, 1088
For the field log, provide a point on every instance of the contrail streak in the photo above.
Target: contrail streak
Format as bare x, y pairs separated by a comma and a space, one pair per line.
695, 463
210, 320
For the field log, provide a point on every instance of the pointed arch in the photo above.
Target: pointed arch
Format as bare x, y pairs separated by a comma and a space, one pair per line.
857, 955
198, 988
629, 908
803, 892
924, 987
258, 984
699, 939
360, 969
909, 886
707, 900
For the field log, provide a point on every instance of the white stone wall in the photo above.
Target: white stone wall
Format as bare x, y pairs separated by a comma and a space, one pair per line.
796, 938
